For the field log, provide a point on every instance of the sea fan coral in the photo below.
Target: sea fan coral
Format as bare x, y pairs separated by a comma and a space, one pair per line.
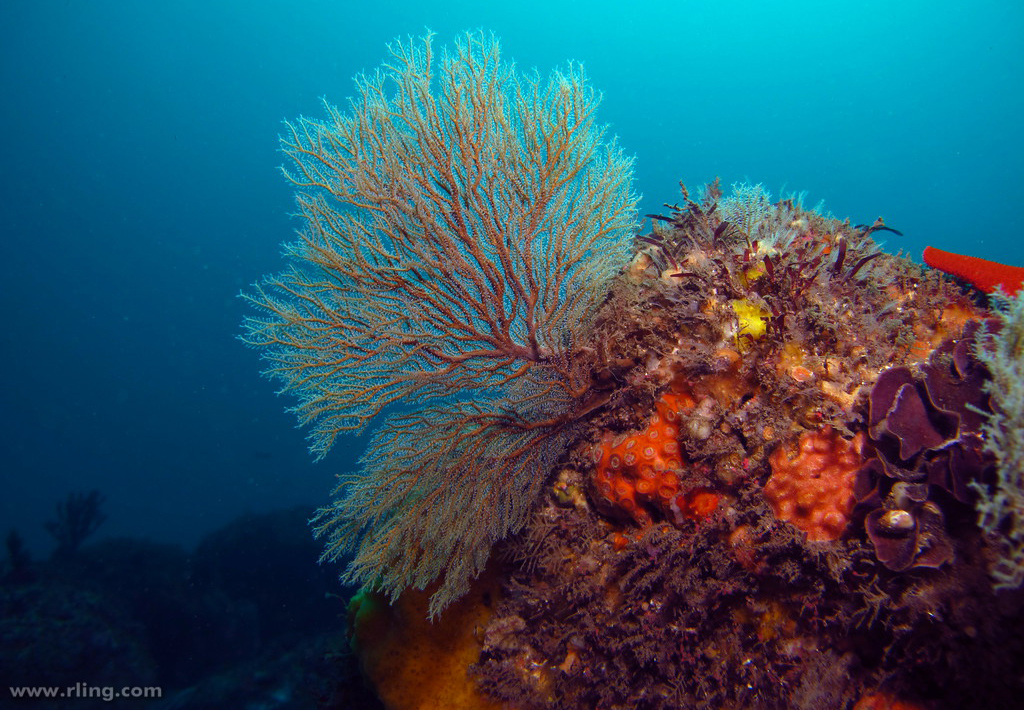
750, 209
459, 231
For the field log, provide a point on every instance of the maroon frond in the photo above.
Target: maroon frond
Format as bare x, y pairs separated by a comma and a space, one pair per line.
837, 266
908, 421
861, 264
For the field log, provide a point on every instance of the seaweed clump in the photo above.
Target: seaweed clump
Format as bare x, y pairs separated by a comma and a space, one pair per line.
928, 452
742, 328
1001, 503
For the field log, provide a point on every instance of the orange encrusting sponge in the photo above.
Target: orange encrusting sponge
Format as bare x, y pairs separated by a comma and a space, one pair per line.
886, 701
416, 664
812, 487
641, 472
984, 274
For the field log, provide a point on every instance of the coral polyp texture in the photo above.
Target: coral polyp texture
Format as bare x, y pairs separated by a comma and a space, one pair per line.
749, 460
643, 474
812, 487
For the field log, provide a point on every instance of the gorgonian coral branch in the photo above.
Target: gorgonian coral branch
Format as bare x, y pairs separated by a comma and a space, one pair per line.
437, 489
460, 224
459, 221
457, 226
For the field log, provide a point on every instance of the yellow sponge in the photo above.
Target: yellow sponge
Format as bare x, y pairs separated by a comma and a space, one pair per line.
753, 320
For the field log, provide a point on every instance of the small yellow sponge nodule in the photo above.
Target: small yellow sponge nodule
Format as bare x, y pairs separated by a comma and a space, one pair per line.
753, 320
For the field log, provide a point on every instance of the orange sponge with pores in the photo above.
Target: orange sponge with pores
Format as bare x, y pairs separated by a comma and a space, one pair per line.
640, 473
812, 485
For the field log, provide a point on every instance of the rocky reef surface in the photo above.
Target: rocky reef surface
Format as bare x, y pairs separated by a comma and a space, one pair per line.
772, 501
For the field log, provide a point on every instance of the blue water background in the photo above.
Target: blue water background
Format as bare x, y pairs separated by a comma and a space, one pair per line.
140, 194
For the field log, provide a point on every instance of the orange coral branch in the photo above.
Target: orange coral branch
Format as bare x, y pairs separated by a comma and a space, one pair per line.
985, 275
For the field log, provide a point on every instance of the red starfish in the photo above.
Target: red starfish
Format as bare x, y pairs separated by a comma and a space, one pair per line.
984, 274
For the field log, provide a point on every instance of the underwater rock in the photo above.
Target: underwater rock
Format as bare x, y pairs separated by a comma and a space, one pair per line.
613, 595
55, 634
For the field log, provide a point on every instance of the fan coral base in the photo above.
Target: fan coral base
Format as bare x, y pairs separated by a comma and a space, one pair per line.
813, 486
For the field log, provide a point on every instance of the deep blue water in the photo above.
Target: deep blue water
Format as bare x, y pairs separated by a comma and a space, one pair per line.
140, 194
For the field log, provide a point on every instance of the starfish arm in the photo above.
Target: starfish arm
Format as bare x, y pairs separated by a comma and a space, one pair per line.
984, 274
